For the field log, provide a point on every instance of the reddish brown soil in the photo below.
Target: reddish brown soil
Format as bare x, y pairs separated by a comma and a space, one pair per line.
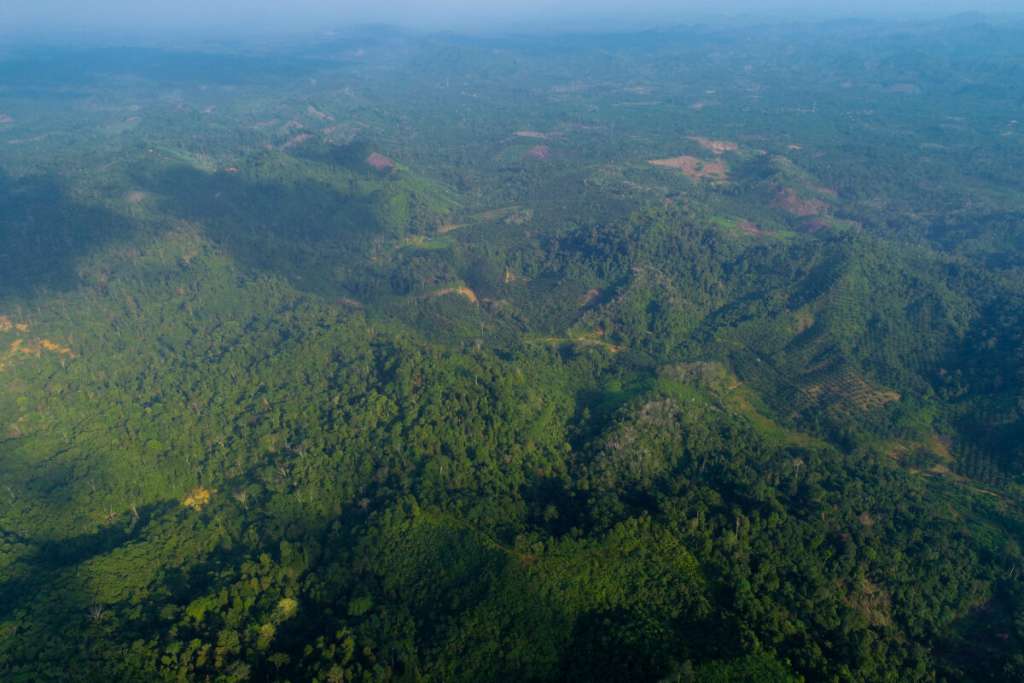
539, 152
695, 168
297, 140
790, 201
380, 162
589, 297
316, 113
749, 228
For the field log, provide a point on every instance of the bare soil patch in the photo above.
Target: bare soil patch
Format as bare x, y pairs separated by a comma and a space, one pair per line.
54, 347
20, 347
715, 146
465, 292
790, 201
380, 162
197, 498
589, 297
6, 119
750, 228
541, 152
695, 168
940, 445
316, 113
536, 134
297, 140
135, 197
804, 321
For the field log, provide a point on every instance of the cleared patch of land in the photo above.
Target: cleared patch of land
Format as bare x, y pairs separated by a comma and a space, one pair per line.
426, 242
539, 152
788, 200
465, 292
848, 391
750, 228
536, 134
515, 215
297, 140
316, 113
380, 162
694, 168
35, 348
198, 498
803, 321
589, 297
445, 228
715, 146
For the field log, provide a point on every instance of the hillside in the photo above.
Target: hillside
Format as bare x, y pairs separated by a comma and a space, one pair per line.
687, 355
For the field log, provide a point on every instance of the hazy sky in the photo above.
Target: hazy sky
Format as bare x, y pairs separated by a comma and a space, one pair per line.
43, 16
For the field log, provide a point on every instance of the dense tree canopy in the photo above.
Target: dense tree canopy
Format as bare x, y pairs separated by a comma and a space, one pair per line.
395, 359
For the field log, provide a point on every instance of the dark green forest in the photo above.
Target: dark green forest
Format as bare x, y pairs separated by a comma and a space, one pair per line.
686, 355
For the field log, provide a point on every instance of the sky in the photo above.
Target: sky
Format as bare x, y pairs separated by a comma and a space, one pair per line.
239, 16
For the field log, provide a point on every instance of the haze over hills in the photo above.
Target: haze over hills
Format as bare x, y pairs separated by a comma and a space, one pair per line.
690, 354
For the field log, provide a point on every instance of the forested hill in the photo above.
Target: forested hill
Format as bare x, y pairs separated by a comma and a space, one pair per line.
694, 354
